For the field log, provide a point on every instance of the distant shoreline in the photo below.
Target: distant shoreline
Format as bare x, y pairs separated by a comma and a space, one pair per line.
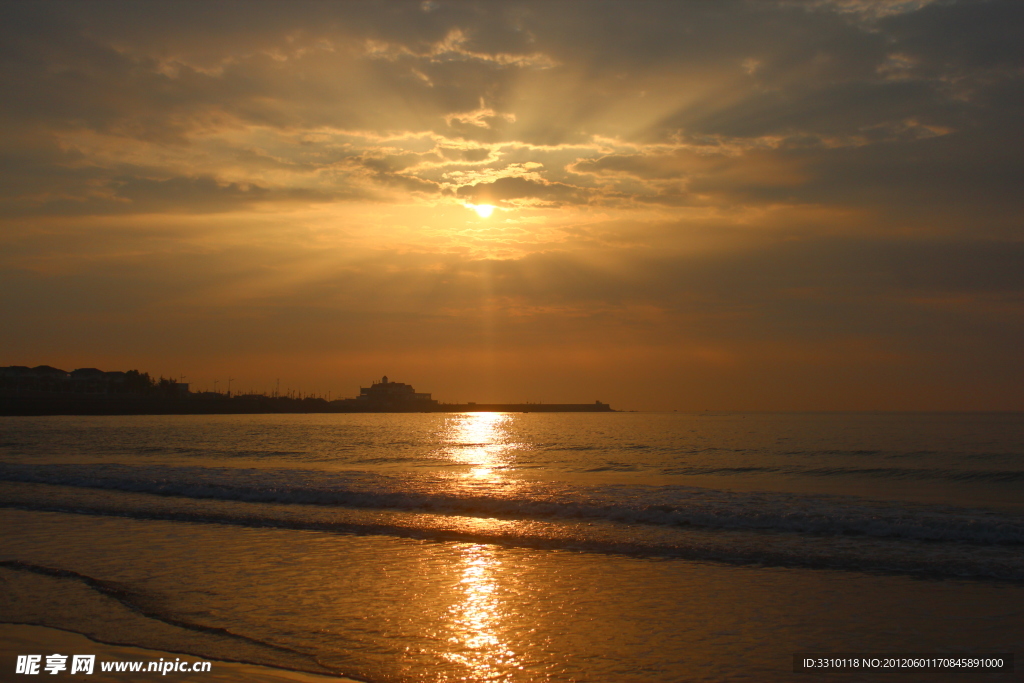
46, 390
121, 405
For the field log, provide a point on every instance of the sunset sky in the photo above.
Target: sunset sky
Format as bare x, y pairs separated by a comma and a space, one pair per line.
767, 205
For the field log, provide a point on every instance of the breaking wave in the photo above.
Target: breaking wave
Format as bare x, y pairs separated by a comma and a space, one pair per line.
667, 506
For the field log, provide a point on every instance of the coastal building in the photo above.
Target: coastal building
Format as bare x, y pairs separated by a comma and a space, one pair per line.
385, 394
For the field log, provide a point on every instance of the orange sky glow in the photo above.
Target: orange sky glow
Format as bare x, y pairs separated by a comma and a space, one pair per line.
729, 206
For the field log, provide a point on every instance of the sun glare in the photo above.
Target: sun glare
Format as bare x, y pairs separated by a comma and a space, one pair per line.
483, 210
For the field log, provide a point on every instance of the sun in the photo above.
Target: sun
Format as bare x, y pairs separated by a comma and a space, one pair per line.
483, 210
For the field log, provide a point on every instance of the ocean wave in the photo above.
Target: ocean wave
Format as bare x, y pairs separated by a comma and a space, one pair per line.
902, 473
665, 506
735, 547
918, 473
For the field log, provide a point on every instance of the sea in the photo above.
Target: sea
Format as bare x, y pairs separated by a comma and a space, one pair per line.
523, 546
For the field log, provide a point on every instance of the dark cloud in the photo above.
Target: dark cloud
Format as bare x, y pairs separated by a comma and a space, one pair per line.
965, 35
518, 188
90, 191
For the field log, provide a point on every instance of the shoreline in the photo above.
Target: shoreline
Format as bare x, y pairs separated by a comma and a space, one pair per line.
21, 639
40, 406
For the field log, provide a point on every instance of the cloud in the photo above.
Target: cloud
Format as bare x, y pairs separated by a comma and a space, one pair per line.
455, 46
241, 104
484, 117
517, 189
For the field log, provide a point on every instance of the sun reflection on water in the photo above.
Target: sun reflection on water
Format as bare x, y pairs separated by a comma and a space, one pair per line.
476, 640
483, 442
482, 447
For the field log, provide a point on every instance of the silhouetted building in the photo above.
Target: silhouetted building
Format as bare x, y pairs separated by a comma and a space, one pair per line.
385, 394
